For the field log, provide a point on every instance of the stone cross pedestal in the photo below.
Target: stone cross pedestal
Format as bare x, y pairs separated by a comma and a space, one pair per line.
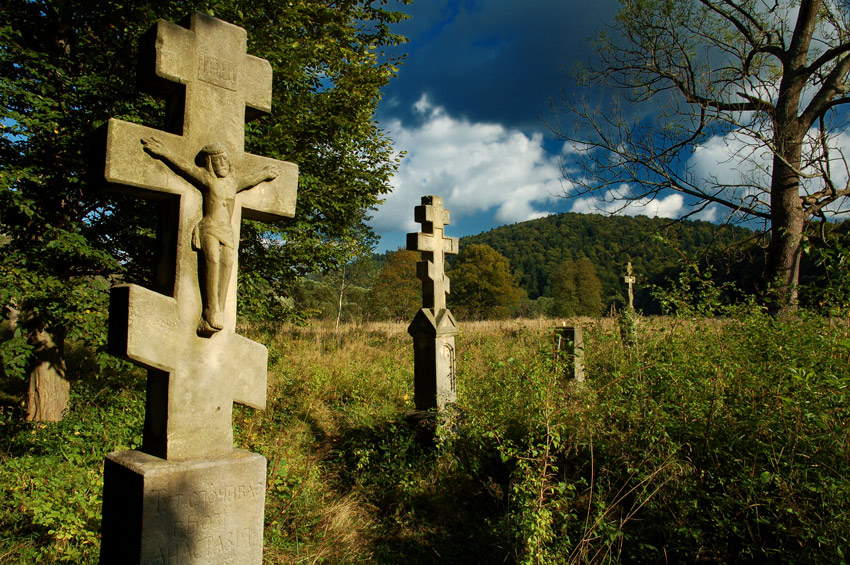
188, 496
630, 280
433, 328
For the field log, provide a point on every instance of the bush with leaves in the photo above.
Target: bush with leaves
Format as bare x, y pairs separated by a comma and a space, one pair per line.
67, 67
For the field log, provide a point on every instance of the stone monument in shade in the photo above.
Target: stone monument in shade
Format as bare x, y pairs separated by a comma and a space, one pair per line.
433, 328
187, 496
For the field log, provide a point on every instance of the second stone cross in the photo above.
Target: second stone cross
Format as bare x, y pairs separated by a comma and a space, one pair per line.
433, 328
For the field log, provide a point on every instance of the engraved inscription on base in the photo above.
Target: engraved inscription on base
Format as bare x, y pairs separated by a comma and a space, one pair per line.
200, 512
197, 526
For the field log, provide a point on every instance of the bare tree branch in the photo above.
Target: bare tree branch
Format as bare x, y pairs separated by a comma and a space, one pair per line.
834, 85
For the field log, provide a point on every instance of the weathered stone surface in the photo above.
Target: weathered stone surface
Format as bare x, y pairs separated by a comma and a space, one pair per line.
158, 512
184, 333
209, 81
434, 246
188, 496
569, 350
435, 378
192, 381
433, 328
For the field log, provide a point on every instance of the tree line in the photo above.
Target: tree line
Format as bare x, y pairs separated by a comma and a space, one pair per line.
562, 265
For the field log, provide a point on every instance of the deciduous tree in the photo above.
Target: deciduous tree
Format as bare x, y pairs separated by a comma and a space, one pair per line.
576, 289
397, 294
769, 80
562, 289
588, 289
482, 285
67, 66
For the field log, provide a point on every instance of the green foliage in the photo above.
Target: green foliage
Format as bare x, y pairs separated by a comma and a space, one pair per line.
627, 322
722, 440
538, 247
716, 440
588, 289
562, 289
66, 67
743, 442
482, 286
330, 61
59, 79
397, 294
828, 289
51, 475
576, 289
340, 294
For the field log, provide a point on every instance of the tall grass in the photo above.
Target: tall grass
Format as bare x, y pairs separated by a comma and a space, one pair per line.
710, 441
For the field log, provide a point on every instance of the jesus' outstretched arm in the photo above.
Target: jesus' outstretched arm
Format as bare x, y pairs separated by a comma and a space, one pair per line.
181, 166
269, 172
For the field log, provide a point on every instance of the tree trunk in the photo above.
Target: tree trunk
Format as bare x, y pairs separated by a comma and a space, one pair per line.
49, 391
786, 232
789, 131
786, 207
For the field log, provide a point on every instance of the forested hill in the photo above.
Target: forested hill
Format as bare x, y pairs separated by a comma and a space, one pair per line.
535, 248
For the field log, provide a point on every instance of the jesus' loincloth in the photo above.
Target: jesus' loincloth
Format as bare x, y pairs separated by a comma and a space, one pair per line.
219, 230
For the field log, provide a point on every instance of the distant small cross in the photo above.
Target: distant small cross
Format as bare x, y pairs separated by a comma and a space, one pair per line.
434, 246
196, 372
630, 280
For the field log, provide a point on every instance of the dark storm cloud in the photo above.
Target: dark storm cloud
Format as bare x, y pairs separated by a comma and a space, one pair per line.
494, 61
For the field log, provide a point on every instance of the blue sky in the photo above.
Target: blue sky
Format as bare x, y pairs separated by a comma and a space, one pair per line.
467, 105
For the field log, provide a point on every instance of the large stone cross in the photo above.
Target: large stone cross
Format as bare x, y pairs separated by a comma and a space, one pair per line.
184, 331
433, 245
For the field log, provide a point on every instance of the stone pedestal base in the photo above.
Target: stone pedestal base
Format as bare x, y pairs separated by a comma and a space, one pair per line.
434, 376
196, 512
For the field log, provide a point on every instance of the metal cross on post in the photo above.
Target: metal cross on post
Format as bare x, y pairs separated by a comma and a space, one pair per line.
184, 332
434, 245
630, 280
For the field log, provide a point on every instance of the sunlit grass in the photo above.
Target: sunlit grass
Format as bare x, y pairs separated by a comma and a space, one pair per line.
720, 440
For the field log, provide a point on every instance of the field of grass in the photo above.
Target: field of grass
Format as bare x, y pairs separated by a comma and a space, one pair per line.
700, 441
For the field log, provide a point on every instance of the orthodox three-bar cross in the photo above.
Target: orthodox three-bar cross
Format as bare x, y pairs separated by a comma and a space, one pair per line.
434, 246
630, 280
212, 87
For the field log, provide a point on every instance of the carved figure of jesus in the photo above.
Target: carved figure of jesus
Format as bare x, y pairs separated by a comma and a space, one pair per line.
213, 236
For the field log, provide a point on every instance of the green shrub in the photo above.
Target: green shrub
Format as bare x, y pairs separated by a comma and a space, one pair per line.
51, 475
718, 440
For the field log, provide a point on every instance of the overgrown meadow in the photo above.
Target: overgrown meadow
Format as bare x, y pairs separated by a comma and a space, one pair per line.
693, 440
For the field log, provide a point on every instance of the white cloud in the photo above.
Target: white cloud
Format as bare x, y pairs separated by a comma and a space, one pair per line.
710, 213
732, 159
613, 202
744, 165
475, 167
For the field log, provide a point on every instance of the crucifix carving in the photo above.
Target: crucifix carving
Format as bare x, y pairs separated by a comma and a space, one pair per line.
198, 172
630, 280
213, 236
434, 245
